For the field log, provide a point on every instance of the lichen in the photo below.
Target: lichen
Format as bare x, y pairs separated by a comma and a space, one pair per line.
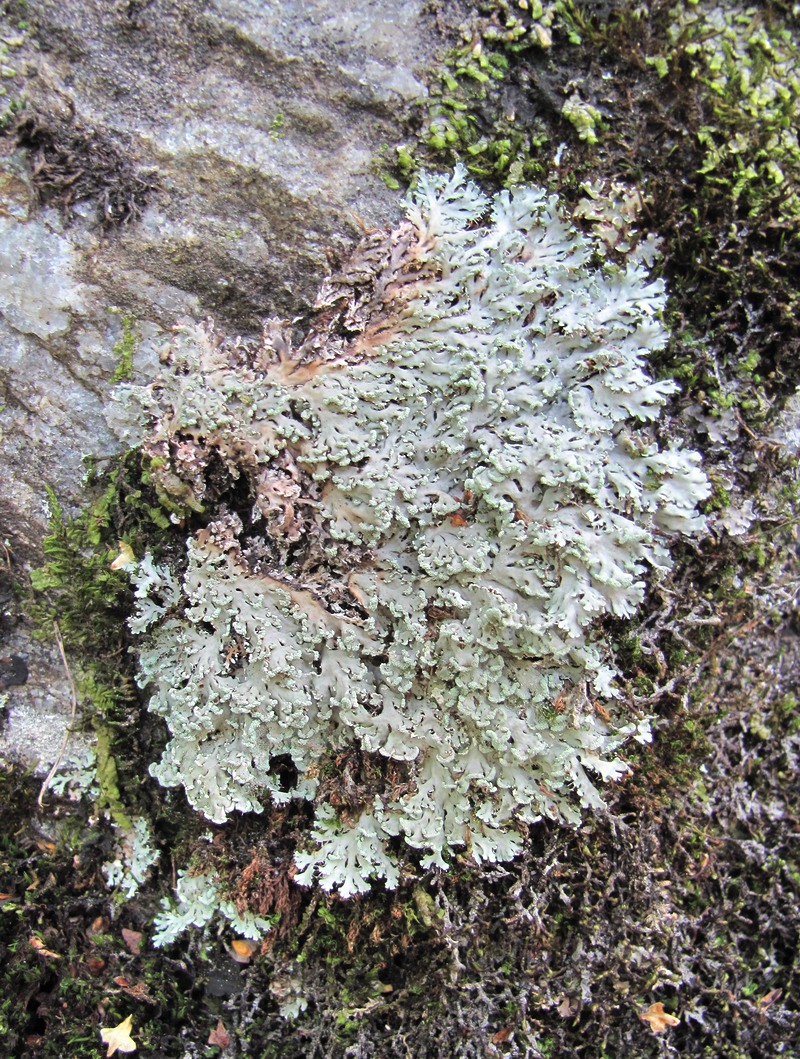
412, 522
135, 856
198, 902
76, 776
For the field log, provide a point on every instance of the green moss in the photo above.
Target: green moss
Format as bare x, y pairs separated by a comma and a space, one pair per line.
748, 60
585, 119
77, 586
547, 1047
463, 118
77, 590
736, 235
107, 776
125, 348
12, 102
719, 500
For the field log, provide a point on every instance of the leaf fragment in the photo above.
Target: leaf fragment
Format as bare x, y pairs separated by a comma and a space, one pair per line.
133, 939
658, 1018
502, 1035
38, 944
769, 999
125, 557
138, 990
568, 1007
219, 1036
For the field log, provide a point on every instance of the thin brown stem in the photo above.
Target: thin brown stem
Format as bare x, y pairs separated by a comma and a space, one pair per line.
49, 777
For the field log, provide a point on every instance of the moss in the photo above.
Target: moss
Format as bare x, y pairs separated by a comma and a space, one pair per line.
463, 120
12, 101
700, 103
55, 998
125, 348
107, 777
719, 500
77, 589
586, 119
734, 229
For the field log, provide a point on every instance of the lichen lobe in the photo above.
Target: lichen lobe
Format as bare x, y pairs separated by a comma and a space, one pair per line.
411, 522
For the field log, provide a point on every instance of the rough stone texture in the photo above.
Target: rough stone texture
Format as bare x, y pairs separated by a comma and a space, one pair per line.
174, 158
38, 712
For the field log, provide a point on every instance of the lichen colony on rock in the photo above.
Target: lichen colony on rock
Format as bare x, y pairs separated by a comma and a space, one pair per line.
410, 523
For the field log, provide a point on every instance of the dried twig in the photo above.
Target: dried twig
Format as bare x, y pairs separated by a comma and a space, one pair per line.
49, 777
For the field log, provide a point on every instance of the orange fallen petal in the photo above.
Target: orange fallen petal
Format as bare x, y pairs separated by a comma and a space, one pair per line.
769, 999
242, 949
38, 944
658, 1018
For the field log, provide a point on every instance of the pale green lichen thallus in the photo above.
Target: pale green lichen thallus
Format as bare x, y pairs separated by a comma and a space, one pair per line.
413, 520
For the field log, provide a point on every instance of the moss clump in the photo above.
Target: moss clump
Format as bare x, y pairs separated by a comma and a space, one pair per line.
125, 348
695, 104
703, 106
79, 589
11, 100
747, 60
66, 969
474, 113
735, 225
107, 775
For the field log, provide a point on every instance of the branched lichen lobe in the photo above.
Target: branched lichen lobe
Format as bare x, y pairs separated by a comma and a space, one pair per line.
412, 521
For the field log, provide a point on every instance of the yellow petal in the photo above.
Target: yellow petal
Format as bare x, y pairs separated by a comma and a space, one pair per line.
119, 1037
125, 557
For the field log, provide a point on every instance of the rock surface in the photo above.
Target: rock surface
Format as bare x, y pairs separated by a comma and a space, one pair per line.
172, 159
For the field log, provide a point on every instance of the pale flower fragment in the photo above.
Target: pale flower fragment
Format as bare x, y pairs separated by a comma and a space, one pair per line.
118, 1038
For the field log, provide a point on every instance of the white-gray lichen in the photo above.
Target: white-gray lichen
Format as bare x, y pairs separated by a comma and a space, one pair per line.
413, 521
198, 901
135, 856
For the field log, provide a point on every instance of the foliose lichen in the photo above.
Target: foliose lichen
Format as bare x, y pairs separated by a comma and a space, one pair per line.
411, 522
134, 856
198, 901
